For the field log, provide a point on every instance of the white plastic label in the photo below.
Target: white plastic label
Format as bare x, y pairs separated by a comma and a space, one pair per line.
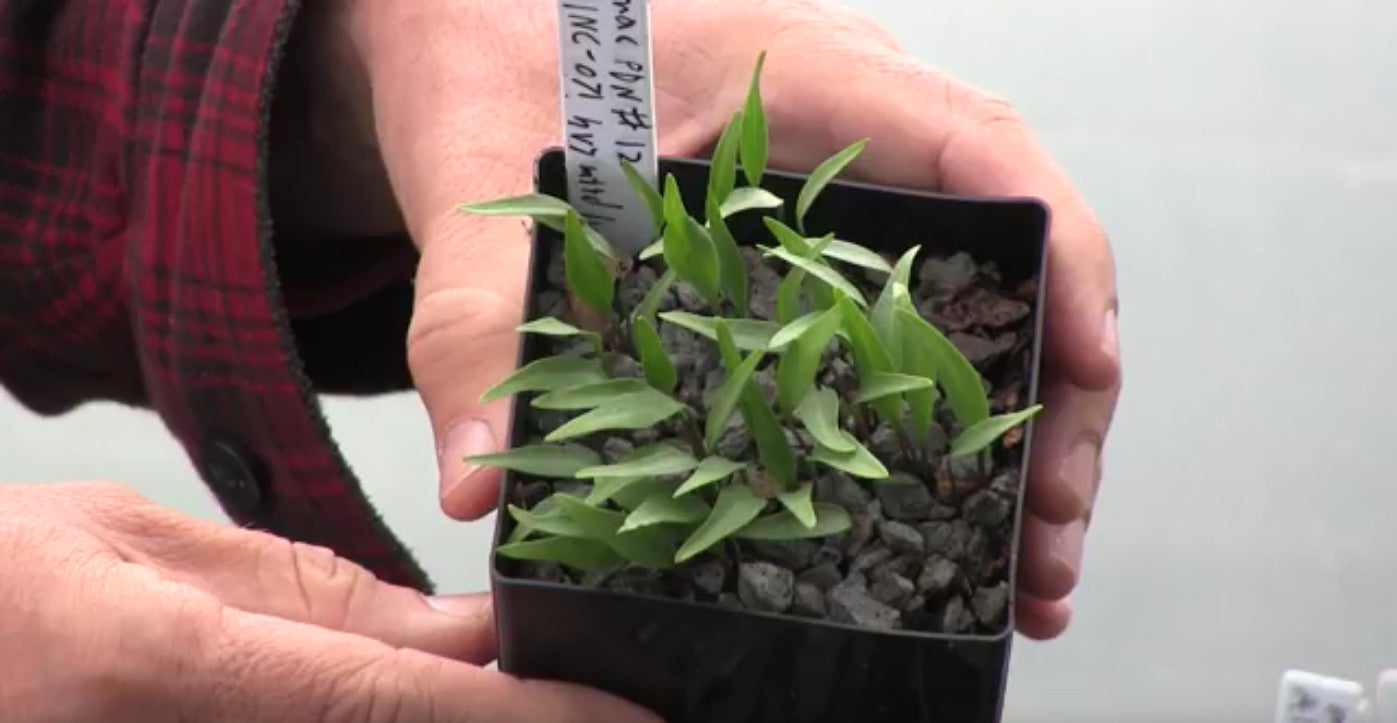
605, 61
1311, 698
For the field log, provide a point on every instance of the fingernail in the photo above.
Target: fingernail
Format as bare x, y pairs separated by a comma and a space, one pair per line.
464, 440
1079, 471
461, 606
1110, 341
1067, 548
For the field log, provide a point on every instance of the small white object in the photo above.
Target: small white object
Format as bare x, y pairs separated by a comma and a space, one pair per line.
1312, 698
1385, 697
605, 63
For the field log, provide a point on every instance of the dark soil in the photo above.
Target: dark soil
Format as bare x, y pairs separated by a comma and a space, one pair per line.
927, 552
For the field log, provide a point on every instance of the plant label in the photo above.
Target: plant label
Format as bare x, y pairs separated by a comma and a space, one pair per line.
1386, 697
1312, 698
605, 60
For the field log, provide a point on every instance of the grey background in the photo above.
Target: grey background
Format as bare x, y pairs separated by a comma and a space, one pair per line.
1242, 155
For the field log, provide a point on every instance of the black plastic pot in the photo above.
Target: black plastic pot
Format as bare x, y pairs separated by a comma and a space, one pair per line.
701, 663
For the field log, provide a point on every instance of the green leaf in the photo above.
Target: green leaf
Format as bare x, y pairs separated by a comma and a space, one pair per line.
983, 433
870, 358
965, 391
710, 470
642, 547
647, 193
547, 374
587, 396
707, 267
793, 330
789, 238
732, 272
659, 370
650, 461
661, 509
747, 199
795, 372
616, 489
650, 304
819, 271
880, 385
884, 316
550, 326
859, 463
748, 334
736, 506
798, 503
822, 175
543, 460
554, 521
722, 174
634, 493
587, 275
533, 205
788, 296
857, 255
780, 526
687, 248
653, 250
726, 399
636, 410
773, 449
819, 413
546, 507
754, 129
579, 554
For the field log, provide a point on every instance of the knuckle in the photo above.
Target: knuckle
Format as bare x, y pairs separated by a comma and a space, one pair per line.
330, 586
385, 688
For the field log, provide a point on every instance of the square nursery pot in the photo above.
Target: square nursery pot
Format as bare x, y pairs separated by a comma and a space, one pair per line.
707, 662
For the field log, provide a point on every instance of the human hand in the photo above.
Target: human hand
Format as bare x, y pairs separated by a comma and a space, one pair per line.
114, 609
464, 96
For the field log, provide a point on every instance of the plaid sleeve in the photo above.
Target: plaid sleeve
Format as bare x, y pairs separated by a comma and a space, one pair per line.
137, 260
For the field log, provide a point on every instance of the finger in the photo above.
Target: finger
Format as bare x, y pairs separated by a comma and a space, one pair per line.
261, 573
1050, 557
1041, 619
253, 667
1064, 472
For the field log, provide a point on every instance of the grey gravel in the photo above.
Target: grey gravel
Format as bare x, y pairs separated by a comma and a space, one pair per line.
624, 366
955, 618
838, 488
709, 575
893, 590
904, 497
867, 559
809, 600
863, 523
850, 602
884, 442
765, 587
986, 508
614, 448
989, 603
901, 537
734, 440
689, 298
948, 275
938, 574
980, 350
949, 539
794, 554
824, 575
964, 468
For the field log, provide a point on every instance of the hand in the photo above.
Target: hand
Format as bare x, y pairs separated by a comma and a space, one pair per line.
464, 96
114, 609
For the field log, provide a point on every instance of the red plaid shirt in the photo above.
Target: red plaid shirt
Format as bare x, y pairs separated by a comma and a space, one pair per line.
138, 263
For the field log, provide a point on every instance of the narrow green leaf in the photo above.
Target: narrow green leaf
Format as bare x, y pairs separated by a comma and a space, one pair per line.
754, 129
851, 253
732, 272
547, 374
707, 268
642, 547
788, 296
653, 250
726, 399
650, 304
723, 171
781, 526
676, 248
748, 334
747, 199
555, 521
819, 413
659, 370
637, 410
798, 503
647, 193
793, 330
634, 493
965, 391
710, 470
880, 385
884, 317
522, 530
587, 275
822, 175
795, 372
616, 489
870, 358
579, 554
820, 271
790, 239
587, 396
983, 433
550, 326
650, 461
543, 460
773, 449
859, 463
661, 509
533, 205
736, 506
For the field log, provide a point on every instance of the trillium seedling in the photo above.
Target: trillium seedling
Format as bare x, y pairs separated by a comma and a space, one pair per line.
664, 502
